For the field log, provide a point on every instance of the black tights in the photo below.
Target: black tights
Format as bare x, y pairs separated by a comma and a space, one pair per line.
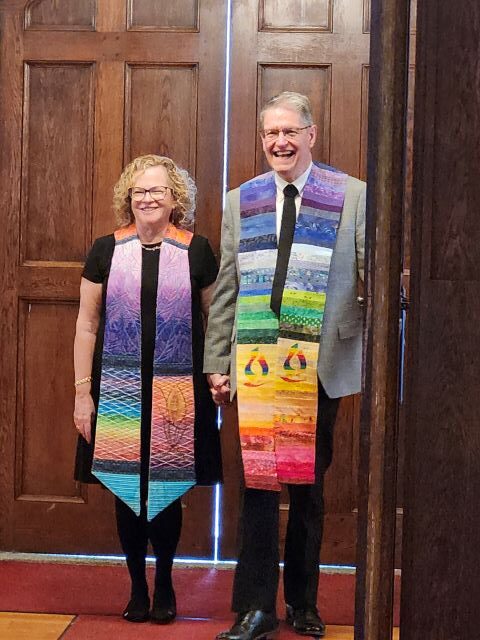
163, 532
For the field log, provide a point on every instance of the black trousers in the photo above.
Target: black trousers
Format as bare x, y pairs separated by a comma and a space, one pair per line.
257, 573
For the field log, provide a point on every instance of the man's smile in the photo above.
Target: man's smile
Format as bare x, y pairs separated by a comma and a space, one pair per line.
283, 154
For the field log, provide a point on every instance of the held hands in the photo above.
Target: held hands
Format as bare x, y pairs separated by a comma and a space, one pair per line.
219, 388
83, 414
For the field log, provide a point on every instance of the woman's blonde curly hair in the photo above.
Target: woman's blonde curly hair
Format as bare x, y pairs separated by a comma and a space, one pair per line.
183, 191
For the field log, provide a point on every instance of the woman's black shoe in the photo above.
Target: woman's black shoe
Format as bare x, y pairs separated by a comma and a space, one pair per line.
163, 611
137, 610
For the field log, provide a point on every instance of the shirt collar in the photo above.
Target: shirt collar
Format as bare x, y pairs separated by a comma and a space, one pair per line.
299, 182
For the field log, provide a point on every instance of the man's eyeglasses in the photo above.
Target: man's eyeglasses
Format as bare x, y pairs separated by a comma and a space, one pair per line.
156, 193
290, 134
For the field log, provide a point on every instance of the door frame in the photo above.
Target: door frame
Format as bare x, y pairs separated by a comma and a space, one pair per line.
376, 533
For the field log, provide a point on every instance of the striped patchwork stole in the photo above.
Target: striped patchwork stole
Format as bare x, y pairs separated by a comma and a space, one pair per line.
277, 382
117, 443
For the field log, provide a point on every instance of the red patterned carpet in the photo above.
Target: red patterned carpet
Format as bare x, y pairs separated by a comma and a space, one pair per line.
97, 593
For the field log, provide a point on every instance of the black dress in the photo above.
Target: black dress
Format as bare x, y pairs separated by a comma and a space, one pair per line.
203, 271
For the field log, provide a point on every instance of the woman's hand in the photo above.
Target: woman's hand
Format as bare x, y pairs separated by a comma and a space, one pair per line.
83, 415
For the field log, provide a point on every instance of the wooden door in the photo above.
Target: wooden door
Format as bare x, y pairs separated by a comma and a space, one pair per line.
320, 48
86, 86
441, 546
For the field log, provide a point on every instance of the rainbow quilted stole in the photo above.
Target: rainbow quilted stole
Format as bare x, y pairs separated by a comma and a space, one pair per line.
117, 443
277, 383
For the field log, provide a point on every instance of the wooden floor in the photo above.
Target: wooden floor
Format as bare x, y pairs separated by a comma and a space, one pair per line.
32, 626
39, 626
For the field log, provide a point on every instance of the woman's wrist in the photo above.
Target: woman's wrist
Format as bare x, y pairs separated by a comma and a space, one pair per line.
83, 392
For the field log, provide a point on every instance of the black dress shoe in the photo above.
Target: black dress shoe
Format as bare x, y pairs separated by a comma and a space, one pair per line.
163, 611
252, 625
306, 622
137, 610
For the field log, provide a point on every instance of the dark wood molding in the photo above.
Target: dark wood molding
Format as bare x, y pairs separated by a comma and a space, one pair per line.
379, 411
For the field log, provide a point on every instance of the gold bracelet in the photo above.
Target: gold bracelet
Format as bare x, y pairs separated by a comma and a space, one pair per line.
83, 381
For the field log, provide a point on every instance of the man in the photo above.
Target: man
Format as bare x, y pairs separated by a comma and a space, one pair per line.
284, 333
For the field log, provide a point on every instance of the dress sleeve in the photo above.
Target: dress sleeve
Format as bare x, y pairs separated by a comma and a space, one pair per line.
98, 260
203, 266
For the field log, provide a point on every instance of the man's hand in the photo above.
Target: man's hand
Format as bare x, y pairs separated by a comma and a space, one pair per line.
219, 388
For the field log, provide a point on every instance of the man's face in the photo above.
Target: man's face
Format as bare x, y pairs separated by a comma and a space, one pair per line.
288, 156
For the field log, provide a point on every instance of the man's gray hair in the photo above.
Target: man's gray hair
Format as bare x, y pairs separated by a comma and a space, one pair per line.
296, 101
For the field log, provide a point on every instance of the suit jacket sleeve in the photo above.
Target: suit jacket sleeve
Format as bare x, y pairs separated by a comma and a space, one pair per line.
221, 318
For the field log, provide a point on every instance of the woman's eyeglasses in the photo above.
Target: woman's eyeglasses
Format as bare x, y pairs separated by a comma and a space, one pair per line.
156, 193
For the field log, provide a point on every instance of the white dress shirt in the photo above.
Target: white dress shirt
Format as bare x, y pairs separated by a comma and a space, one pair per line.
300, 183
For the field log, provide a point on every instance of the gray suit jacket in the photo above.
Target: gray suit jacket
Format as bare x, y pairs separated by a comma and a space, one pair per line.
339, 363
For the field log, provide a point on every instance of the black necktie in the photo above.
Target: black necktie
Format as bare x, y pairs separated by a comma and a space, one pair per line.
289, 217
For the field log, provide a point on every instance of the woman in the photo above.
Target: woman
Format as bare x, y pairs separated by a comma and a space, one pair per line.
142, 406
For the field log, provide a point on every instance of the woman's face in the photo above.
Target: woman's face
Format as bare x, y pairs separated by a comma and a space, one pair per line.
152, 210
